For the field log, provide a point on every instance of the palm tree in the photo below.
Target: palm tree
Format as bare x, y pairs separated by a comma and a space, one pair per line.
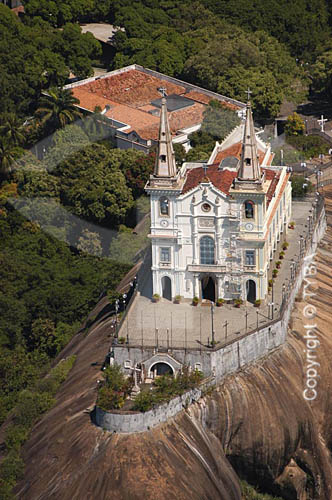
57, 108
8, 154
12, 129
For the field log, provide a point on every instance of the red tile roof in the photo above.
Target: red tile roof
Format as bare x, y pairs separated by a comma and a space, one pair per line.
235, 150
130, 94
221, 179
131, 87
205, 99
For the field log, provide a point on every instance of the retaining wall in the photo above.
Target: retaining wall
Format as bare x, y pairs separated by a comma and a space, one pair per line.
140, 422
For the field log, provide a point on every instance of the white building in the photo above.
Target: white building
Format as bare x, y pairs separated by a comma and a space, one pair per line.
215, 227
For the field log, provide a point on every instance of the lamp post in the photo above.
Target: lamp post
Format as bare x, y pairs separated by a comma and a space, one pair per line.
212, 324
116, 316
272, 301
124, 296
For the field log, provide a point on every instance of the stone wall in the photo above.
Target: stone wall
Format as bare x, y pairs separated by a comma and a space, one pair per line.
140, 422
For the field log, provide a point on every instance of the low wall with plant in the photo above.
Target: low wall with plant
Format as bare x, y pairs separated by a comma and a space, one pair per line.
118, 421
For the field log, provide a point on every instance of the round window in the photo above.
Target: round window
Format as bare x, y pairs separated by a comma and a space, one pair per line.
206, 207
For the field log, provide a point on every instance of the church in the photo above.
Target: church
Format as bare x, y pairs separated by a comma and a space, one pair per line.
215, 227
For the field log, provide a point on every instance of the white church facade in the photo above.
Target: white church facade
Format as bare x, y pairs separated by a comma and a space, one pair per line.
215, 227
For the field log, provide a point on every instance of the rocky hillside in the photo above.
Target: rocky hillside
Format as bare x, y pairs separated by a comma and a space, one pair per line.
257, 420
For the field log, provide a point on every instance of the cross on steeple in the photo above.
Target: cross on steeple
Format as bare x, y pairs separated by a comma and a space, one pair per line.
248, 92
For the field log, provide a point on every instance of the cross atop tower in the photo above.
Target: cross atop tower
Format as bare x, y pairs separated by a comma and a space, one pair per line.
248, 92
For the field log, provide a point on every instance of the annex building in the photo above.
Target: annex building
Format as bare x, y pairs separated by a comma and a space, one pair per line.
215, 226
129, 98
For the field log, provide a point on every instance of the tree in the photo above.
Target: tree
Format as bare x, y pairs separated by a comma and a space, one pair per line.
294, 125
57, 108
93, 187
89, 243
11, 128
321, 73
218, 120
8, 154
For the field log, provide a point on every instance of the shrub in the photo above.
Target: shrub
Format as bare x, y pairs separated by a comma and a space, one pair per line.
258, 302
16, 435
144, 401
108, 399
238, 302
195, 300
166, 387
115, 389
12, 468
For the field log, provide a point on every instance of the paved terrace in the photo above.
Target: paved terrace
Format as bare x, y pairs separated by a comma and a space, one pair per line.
182, 325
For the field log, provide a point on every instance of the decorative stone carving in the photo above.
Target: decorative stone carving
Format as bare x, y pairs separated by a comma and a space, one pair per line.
206, 222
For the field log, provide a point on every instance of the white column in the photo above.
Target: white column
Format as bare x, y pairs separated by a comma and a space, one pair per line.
220, 291
196, 285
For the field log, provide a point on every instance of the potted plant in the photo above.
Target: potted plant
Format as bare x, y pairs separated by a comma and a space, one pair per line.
121, 340
275, 273
257, 302
278, 264
281, 255
220, 302
195, 301
177, 299
238, 302
155, 297
291, 225
285, 245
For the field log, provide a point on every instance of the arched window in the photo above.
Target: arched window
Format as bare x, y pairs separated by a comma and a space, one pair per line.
164, 205
249, 209
206, 250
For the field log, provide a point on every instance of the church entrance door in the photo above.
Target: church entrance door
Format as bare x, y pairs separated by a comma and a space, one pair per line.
166, 286
208, 289
251, 291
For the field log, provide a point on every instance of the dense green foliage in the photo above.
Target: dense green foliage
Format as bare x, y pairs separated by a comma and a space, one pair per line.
300, 186
167, 387
30, 407
294, 125
217, 123
37, 56
310, 146
115, 389
251, 493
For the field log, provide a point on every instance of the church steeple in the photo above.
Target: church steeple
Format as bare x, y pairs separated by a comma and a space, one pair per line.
249, 164
165, 162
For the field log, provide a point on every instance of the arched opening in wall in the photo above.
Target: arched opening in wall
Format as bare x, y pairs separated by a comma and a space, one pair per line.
166, 286
251, 291
208, 288
161, 369
249, 209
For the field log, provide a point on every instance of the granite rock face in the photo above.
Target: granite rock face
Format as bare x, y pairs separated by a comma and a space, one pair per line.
256, 423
